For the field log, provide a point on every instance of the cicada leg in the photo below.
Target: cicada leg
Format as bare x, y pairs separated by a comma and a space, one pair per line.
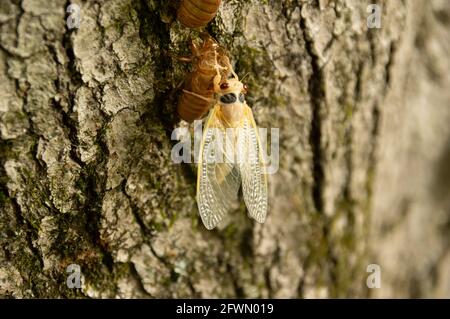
199, 96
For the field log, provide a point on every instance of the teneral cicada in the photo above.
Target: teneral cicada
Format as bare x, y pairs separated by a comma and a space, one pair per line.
211, 65
197, 13
230, 155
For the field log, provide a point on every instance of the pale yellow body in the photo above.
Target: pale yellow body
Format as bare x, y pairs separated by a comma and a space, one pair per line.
218, 182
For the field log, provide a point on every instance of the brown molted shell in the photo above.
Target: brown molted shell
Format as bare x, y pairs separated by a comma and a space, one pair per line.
198, 100
197, 13
191, 107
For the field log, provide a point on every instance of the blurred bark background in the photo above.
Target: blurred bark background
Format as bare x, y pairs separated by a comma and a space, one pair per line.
86, 178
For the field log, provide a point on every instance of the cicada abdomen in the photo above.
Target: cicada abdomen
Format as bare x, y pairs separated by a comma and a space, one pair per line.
211, 65
197, 13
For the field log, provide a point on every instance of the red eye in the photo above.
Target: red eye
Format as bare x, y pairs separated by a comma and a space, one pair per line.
224, 86
245, 88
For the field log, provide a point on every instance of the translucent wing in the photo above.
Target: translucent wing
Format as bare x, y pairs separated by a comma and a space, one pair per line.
218, 177
252, 168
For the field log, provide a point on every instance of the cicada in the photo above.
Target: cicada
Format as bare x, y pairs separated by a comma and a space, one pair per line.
197, 13
230, 156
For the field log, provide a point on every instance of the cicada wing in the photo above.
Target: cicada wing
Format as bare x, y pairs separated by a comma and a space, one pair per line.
252, 168
218, 179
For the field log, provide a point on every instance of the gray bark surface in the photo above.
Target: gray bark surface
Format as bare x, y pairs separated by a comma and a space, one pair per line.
86, 177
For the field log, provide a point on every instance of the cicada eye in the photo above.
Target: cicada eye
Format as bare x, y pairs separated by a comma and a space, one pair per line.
245, 88
241, 97
224, 86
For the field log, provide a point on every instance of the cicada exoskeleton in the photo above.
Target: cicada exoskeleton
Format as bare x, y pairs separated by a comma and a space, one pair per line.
211, 66
197, 13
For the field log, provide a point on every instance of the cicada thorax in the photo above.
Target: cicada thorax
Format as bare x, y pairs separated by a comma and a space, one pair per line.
231, 99
197, 13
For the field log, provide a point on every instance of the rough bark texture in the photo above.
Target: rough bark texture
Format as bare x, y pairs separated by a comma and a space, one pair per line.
86, 176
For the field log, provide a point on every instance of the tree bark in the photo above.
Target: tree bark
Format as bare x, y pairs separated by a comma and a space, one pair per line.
86, 176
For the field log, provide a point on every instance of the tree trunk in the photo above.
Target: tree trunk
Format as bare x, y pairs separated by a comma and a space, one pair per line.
86, 176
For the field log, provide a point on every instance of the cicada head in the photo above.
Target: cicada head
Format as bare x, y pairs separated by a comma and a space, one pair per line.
232, 100
232, 85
